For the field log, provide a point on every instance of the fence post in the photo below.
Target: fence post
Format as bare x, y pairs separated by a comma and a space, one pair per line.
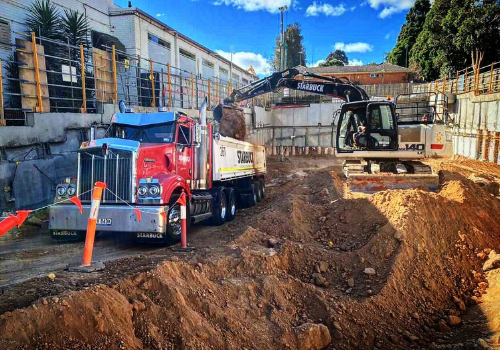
152, 79
2, 116
192, 89
115, 84
84, 94
445, 88
209, 94
217, 91
491, 79
466, 79
169, 87
37, 73
456, 87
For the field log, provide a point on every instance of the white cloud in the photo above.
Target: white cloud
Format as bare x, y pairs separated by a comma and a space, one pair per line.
390, 7
353, 47
326, 9
317, 63
160, 14
353, 8
387, 36
271, 6
355, 62
247, 59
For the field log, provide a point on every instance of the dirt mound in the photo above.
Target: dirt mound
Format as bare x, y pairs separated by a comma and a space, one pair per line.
311, 267
233, 123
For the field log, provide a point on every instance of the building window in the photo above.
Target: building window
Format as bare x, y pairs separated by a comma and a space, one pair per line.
223, 71
375, 75
187, 54
244, 82
4, 33
207, 63
236, 77
158, 41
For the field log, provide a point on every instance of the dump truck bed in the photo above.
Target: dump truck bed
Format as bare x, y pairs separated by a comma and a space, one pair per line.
234, 159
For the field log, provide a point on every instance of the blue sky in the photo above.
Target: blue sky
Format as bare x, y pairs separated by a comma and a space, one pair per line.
365, 29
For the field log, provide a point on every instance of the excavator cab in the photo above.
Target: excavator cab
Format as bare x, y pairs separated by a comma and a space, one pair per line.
372, 123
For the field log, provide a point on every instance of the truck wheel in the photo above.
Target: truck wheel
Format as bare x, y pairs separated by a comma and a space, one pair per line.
231, 204
174, 222
263, 187
220, 207
252, 197
258, 190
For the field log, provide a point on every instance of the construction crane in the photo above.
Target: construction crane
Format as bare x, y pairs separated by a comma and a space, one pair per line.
378, 153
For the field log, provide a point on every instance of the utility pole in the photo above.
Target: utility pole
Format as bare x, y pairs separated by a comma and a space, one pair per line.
282, 39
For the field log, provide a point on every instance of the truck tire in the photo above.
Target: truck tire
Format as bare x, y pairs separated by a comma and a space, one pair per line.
263, 187
258, 190
252, 197
231, 204
220, 207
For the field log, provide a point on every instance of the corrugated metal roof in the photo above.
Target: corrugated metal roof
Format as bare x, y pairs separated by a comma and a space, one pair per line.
369, 68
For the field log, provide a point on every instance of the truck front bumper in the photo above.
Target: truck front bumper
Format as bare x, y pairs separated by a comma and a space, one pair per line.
114, 218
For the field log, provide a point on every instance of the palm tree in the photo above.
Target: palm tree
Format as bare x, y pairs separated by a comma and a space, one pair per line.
75, 27
44, 19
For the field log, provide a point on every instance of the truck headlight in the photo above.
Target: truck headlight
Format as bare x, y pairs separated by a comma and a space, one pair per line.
154, 190
61, 190
71, 191
142, 191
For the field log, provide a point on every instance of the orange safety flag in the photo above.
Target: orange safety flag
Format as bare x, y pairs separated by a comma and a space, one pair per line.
138, 213
182, 199
8, 224
76, 200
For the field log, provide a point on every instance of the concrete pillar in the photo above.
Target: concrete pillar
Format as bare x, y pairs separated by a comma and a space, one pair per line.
319, 149
273, 150
332, 151
293, 151
306, 150
326, 151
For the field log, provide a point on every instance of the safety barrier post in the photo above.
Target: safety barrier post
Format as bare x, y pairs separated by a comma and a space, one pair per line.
169, 87
37, 74
2, 116
87, 265
115, 83
183, 248
209, 94
84, 93
152, 78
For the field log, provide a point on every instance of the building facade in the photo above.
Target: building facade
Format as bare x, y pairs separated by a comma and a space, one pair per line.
140, 33
371, 74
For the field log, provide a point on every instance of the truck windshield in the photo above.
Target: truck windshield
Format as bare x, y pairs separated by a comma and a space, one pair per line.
161, 133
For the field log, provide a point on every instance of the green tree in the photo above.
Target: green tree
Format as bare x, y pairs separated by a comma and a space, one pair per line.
295, 51
330, 61
338, 55
415, 20
453, 30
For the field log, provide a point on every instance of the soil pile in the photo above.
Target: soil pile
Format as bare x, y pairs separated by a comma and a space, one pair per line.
311, 267
233, 123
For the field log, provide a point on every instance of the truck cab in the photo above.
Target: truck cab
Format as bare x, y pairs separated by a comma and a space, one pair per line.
147, 161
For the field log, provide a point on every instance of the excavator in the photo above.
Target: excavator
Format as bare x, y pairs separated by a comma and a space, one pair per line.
381, 142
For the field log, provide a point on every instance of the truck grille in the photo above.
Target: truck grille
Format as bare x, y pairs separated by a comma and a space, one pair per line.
115, 170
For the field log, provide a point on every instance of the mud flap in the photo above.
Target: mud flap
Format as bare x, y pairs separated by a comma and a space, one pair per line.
371, 183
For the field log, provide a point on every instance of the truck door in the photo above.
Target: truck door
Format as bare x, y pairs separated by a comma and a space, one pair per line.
184, 151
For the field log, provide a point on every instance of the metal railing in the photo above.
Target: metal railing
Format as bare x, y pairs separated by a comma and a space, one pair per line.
480, 80
45, 75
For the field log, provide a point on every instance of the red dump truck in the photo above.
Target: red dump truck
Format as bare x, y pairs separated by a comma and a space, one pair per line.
146, 162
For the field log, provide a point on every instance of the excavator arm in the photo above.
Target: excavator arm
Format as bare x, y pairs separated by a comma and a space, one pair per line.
329, 86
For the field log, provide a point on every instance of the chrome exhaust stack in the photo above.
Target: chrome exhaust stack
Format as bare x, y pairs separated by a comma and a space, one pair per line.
200, 181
